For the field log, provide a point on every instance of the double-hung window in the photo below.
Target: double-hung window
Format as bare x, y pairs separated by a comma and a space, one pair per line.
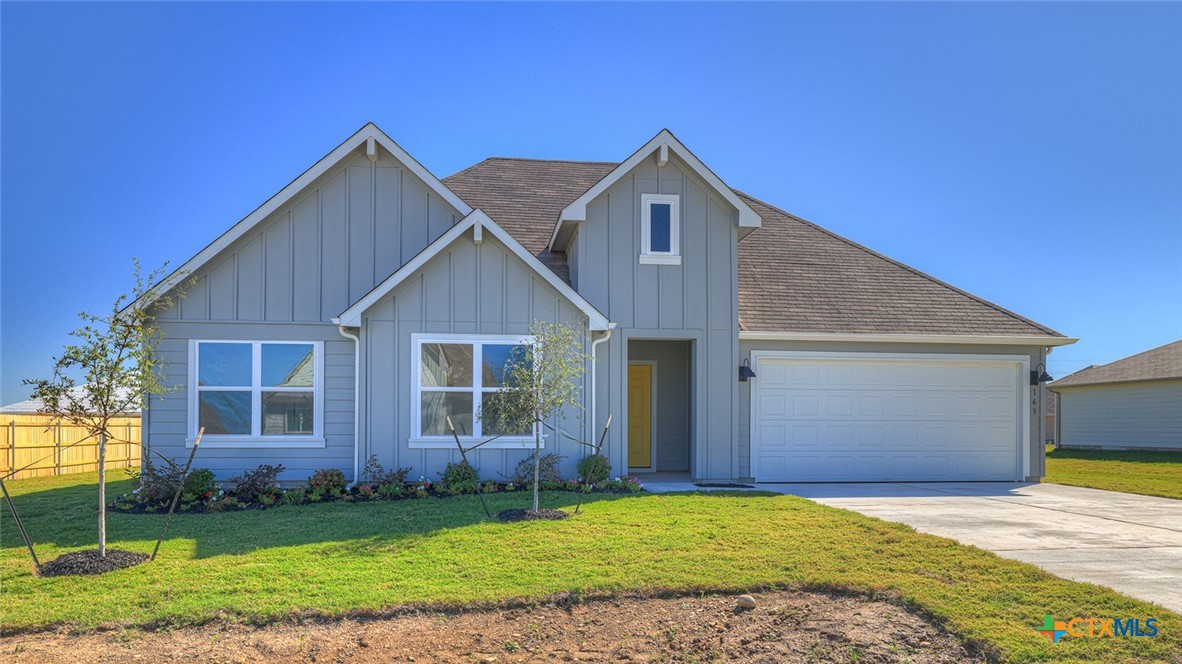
454, 376
660, 229
257, 393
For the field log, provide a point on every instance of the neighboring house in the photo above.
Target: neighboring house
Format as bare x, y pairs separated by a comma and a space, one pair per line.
1134, 403
1050, 406
29, 410
402, 293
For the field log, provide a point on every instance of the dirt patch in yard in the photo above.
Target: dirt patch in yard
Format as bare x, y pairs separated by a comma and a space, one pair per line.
784, 627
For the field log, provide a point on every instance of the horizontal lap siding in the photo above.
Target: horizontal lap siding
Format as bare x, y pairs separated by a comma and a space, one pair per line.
1130, 415
168, 413
469, 289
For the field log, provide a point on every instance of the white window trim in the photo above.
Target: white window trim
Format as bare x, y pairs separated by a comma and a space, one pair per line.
256, 439
647, 255
420, 441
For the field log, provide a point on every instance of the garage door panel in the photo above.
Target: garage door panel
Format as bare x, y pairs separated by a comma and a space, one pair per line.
865, 420
773, 404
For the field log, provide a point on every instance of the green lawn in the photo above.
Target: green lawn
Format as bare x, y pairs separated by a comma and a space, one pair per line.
338, 558
1146, 473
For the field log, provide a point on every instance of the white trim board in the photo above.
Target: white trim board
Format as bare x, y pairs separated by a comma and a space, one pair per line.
351, 317
647, 255
1016, 340
1021, 362
661, 144
367, 135
256, 439
420, 441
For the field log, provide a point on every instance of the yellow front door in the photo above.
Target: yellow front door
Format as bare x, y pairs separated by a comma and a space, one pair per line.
640, 416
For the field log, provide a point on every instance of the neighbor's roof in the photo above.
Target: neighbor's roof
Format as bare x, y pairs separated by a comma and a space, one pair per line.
1161, 363
794, 276
34, 406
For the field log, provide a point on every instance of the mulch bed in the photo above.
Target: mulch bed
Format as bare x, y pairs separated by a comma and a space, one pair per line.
508, 516
89, 562
788, 626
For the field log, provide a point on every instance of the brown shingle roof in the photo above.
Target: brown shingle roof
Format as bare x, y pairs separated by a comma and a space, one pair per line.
794, 276
525, 196
1161, 363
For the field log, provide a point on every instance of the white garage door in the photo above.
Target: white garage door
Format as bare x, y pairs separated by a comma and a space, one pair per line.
860, 417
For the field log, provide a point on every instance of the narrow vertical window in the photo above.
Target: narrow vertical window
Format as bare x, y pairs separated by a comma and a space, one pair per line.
660, 233
660, 229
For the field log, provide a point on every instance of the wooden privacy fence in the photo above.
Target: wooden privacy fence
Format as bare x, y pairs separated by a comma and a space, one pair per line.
62, 449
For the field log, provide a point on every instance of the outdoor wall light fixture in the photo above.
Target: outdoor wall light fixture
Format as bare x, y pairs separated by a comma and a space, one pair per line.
1039, 375
745, 371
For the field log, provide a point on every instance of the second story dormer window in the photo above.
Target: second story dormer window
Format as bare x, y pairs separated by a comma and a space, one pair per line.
660, 229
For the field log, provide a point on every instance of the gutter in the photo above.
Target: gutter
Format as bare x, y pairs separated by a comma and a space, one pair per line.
356, 400
594, 386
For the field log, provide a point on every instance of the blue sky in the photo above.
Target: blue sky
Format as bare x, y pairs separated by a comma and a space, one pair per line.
1028, 153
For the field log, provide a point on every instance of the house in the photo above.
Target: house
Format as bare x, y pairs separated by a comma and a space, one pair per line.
368, 300
1134, 403
1050, 406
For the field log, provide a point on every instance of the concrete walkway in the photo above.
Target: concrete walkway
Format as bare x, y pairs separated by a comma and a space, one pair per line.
1130, 543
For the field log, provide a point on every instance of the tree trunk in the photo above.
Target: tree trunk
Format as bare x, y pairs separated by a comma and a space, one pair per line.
537, 463
102, 468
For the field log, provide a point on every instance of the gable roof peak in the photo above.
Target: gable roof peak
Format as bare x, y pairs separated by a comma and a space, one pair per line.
478, 222
369, 135
664, 141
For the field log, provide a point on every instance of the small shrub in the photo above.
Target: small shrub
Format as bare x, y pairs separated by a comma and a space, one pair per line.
315, 496
156, 484
199, 485
459, 478
297, 496
549, 472
329, 482
391, 491
622, 485
226, 504
250, 485
375, 474
594, 469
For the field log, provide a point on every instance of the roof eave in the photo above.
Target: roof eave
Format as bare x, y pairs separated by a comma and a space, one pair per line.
477, 219
978, 339
369, 132
1099, 383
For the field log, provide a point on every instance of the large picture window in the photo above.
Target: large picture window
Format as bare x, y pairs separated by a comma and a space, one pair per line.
258, 393
454, 377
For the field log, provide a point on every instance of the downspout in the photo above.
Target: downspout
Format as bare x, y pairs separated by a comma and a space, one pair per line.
595, 386
356, 401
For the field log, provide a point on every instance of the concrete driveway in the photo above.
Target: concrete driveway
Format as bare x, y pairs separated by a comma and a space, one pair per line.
1130, 543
